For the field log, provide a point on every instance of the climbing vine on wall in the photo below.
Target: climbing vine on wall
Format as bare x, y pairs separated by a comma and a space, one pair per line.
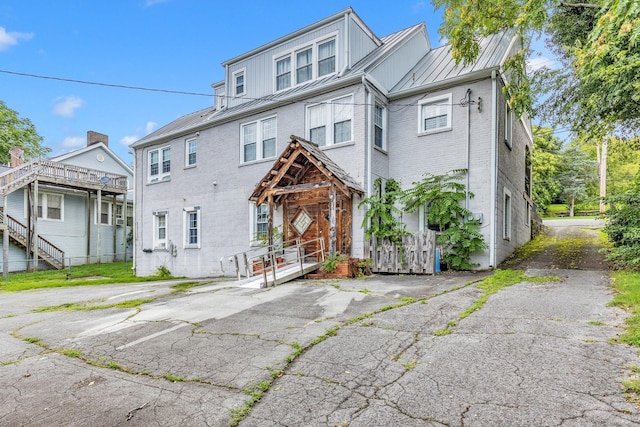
442, 195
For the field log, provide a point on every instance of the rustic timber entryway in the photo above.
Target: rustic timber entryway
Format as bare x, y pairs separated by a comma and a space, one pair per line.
315, 193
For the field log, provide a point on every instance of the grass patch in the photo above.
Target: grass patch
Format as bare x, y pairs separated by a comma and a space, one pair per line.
71, 352
627, 285
173, 378
86, 307
410, 365
255, 394
185, 286
81, 275
442, 332
596, 323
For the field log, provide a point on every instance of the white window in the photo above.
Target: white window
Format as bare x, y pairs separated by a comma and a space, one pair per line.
239, 83
129, 215
330, 122
191, 151
379, 118
326, 58
258, 140
160, 230
435, 114
283, 73
50, 206
506, 215
309, 62
304, 66
159, 164
259, 223
105, 212
192, 227
508, 126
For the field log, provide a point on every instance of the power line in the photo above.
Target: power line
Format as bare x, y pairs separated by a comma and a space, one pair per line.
105, 84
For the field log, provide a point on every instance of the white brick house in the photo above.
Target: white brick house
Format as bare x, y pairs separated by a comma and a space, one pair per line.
390, 107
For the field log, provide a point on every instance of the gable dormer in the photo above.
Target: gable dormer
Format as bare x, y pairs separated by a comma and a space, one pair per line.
311, 54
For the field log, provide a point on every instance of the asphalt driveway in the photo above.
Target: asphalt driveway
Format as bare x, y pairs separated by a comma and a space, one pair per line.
326, 353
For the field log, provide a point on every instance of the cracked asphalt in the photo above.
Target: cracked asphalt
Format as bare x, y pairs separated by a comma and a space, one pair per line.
336, 353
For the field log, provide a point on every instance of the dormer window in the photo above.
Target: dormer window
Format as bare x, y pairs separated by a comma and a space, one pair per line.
326, 58
238, 83
309, 62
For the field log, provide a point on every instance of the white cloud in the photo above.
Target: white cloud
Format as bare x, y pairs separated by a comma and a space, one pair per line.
73, 142
67, 106
129, 139
151, 126
539, 62
8, 39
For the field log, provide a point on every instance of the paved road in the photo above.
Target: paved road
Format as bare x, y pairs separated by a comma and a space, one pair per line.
533, 355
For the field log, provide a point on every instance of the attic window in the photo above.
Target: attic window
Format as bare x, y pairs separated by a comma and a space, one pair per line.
302, 222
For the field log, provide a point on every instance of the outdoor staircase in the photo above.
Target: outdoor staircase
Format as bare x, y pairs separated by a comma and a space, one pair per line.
275, 264
54, 174
47, 251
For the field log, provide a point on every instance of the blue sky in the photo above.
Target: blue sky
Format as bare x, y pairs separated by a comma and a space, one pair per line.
173, 45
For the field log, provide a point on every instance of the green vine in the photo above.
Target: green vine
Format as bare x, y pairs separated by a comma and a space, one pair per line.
443, 195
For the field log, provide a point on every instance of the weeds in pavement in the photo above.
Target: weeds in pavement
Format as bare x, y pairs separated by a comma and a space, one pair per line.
72, 306
628, 298
442, 332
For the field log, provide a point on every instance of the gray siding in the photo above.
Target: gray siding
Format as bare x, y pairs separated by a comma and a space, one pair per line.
398, 64
360, 42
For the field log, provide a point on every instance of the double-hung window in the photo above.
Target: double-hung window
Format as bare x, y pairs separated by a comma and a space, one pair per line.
105, 213
239, 83
283, 73
259, 225
160, 229
258, 139
192, 227
50, 206
379, 118
305, 63
159, 164
326, 58
508, 126
435, 114
304, 66
330, 122
191, 151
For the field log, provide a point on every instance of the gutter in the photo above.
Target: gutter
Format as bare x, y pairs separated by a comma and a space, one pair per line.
466, 78
211, 121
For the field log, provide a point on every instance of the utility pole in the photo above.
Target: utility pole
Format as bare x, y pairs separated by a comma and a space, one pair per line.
602, 172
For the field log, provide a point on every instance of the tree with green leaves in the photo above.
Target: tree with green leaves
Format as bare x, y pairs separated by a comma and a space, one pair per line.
381, 217
546, 163
599, 89
576, 174
19, 132
443, 196
623, 228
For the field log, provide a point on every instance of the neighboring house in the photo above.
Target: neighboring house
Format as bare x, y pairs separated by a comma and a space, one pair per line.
390, 107
75, 206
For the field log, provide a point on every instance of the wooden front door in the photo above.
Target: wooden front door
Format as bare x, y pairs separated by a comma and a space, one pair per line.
314, 215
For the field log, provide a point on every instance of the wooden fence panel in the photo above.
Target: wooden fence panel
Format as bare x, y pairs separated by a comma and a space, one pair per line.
415, 256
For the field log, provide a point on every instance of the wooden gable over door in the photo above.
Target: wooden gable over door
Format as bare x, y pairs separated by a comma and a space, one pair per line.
315, 193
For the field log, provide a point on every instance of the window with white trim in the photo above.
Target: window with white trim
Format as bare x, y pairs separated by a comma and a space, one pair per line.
105, 212
306, 63
331, 122
192, 227
283, 73
159, 164
191, 147
160, 230
435, 114
258, 139
259, 223
379, 118
508, 126
50, 206
239, 83
506, 215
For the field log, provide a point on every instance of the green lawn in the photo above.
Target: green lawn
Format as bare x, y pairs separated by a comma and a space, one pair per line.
81, 275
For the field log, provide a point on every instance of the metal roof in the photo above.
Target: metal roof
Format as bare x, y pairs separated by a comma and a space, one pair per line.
438, 65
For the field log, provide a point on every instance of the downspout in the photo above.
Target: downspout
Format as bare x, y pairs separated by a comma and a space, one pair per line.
367, 137
468, 154
494, 172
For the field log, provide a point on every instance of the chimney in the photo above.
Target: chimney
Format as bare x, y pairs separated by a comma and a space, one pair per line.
17, 156
94, 137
